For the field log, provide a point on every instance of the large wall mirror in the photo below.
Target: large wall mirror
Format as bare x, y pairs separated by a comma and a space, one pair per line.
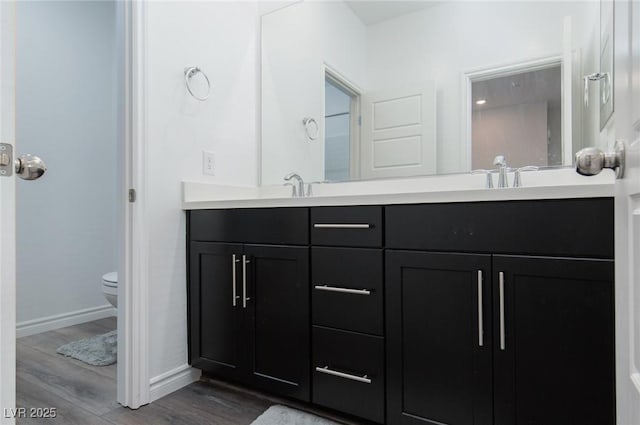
377, 89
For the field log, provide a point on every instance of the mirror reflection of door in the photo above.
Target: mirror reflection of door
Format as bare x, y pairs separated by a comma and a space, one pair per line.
341, 138
518, 116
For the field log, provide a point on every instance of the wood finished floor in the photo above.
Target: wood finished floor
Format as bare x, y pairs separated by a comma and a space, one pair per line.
86, 395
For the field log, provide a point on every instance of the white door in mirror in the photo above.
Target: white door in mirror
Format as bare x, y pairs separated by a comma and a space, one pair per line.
399, 132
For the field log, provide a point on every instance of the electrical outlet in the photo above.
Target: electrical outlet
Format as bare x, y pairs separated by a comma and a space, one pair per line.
208, 163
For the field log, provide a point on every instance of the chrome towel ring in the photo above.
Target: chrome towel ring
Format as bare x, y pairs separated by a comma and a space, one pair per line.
190, 72
308, 123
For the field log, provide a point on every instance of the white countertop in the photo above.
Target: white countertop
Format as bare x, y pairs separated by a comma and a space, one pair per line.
546, 184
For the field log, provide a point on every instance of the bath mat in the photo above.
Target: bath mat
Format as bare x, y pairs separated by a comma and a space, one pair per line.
98, 350
281, 415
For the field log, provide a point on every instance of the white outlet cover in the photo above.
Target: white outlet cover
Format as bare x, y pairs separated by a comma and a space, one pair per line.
208, 163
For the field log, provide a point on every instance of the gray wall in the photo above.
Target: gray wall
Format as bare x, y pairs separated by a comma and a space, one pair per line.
66, 109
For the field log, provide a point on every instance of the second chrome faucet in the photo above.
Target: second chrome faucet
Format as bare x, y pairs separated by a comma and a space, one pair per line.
298, 189
501, 163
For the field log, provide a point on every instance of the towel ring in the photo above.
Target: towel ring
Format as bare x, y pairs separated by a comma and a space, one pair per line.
606, 86
308, 122
192, 71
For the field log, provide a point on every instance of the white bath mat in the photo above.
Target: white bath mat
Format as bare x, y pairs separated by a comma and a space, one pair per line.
101, 350
281, 415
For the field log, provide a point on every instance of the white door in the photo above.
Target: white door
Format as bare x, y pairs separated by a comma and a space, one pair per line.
7, 219
627, 216
29, 168
399, 132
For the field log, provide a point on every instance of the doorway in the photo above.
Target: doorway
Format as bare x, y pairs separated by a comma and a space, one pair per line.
341, 123
69, 92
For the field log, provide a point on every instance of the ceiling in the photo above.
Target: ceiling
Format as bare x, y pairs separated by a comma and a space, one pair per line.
373, 12
543, 85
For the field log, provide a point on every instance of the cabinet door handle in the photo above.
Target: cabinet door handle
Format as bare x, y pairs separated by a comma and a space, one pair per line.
502, 333
233, 278
480, 311
244, 281
328, 371
343, 290
341, 226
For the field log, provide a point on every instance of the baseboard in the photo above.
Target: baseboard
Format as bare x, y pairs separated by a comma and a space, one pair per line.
50, 323
172, 380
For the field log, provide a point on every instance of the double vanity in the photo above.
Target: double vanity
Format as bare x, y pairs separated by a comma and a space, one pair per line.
452, 306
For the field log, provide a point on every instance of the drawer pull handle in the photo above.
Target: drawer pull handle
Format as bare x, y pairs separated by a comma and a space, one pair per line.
234, 260
502, 330
343, 290
480, 311
244, 281
328, 371
342, 226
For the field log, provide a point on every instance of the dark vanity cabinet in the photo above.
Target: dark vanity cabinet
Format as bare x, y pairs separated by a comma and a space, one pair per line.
493, 338
439, 338
483, 313
554, 348
248, 302
347, 277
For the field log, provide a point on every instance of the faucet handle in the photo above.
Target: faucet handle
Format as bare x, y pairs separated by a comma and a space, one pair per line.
500, 161
517, 179
294, 192
489, 181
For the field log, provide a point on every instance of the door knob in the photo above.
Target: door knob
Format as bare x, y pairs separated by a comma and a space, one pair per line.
27, 167
590, 161
30, 167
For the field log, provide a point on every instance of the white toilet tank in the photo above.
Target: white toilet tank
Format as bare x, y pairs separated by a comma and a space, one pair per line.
110, 287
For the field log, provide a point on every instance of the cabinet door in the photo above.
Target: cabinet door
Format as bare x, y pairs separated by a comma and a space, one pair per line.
438, 338
215, 323
554, 347
278, 320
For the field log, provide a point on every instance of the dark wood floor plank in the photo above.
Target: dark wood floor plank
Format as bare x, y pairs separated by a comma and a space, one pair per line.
84, 387
49, 342
86, 395
30, 395
215, 404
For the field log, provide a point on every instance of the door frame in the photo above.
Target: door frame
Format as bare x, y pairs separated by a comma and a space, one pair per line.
133, 321
133, 309
352, 89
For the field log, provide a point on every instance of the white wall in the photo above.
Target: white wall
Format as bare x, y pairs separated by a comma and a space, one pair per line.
66, 97
223, 39
296, 42
443, 42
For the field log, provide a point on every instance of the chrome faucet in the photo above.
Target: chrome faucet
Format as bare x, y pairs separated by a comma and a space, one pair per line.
501, 163
296, 177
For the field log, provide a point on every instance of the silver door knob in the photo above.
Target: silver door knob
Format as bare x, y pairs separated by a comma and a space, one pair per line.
590, 161
30, 167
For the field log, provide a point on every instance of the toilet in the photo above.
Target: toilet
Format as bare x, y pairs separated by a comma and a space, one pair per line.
110, 287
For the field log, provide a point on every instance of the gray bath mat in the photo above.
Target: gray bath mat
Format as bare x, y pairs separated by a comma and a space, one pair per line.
99, 350
281, 415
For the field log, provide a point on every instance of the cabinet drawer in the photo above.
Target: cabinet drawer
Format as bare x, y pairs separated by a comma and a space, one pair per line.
347, 289
557, 227
348, 372
281, 226
347, 226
